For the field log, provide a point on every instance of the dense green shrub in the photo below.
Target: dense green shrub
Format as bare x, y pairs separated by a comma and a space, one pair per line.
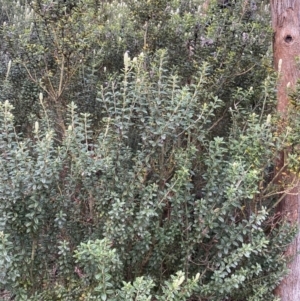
88, 217
140, 175
65, 50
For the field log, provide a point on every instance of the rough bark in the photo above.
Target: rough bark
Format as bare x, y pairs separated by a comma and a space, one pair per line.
285, 22
286, 46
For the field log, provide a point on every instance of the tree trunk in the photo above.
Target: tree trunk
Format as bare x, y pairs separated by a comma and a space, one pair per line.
286, 45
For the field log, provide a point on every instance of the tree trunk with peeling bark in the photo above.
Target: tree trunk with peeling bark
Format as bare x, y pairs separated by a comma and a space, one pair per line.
286, 46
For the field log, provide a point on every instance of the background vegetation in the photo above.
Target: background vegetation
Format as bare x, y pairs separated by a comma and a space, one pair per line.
138, 141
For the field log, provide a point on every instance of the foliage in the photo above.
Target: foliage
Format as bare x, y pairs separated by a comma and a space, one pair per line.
140, 175
64, 49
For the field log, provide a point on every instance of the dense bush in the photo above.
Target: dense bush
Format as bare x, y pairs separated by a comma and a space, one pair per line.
145, 175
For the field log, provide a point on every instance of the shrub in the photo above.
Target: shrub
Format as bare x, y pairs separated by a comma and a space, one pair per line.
116, 215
